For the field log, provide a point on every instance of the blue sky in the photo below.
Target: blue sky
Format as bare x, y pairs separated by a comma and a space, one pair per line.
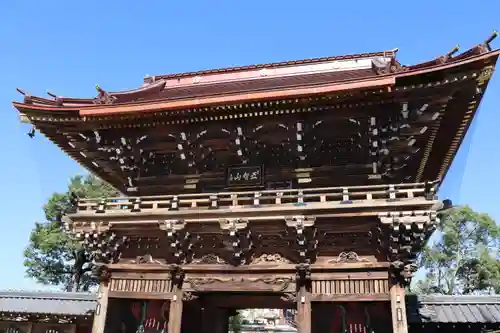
67, 47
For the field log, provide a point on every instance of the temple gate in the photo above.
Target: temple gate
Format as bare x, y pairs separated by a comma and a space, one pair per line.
307, 185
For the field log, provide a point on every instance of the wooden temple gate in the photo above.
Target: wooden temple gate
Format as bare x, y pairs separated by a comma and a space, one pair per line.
308, 185
315, 251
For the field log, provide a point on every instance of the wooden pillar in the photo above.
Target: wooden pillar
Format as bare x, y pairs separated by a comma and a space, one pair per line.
101, 310
303, 282
303, 311
398, 309
175, 315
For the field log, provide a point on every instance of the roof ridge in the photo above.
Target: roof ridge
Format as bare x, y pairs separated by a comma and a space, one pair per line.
354, 56
75, 296
458, 299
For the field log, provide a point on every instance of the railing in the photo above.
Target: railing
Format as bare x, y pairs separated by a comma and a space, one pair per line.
268, 198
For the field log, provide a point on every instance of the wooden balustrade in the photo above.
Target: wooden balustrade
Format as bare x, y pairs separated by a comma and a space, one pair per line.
267, 198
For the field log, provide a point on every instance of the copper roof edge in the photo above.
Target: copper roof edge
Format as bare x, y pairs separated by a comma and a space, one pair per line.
164, 105
461, 62
198, 102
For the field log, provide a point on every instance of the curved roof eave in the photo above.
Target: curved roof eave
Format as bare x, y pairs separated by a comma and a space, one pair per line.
166, 104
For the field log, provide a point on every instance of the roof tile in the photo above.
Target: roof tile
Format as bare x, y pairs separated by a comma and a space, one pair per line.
76, 304
430, 309
453, 309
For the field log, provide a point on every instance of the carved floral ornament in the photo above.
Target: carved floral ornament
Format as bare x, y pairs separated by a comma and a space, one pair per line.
209, 259
266, 258
347, 257
275, 258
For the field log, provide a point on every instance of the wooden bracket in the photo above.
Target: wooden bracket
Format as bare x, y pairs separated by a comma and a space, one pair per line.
303, 275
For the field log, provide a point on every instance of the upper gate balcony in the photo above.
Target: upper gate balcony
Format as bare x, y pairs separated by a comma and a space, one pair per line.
213, 206
375, 221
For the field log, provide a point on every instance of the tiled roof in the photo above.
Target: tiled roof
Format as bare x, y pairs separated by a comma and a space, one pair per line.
453, 309
74, 304
420, 309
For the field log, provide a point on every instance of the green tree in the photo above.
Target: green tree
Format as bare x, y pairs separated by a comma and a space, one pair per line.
52, 257
235, 323
465, 258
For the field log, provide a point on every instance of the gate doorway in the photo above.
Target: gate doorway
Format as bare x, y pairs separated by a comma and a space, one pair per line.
215, 312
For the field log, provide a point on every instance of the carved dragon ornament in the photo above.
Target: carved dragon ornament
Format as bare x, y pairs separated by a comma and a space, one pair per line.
275, 284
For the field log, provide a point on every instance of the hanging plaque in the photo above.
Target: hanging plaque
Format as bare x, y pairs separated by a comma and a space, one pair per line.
244, 176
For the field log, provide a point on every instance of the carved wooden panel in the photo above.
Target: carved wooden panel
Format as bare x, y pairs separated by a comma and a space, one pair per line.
350, 286
140, 285
240, 283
